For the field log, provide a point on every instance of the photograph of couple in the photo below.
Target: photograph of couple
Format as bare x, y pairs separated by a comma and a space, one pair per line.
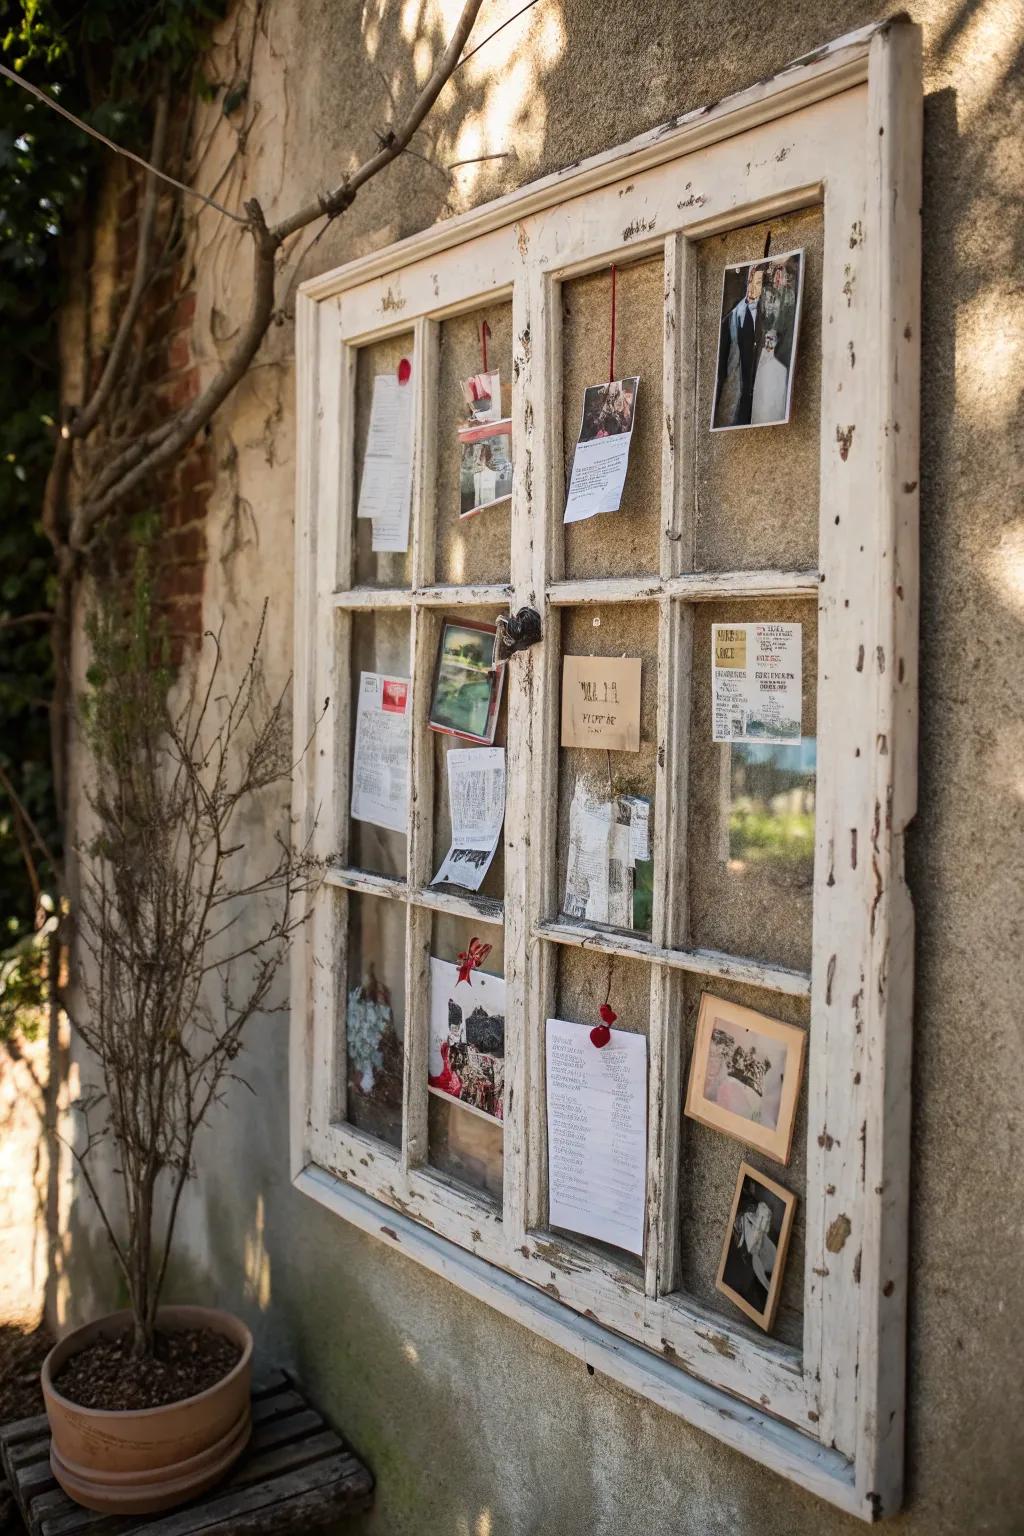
757, 342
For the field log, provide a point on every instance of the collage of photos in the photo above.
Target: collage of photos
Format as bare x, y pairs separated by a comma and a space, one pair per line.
746, 1069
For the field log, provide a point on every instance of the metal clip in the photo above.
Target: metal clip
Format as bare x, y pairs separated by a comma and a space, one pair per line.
516, 632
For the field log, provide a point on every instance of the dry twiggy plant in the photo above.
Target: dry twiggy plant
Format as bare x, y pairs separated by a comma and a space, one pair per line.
181, 948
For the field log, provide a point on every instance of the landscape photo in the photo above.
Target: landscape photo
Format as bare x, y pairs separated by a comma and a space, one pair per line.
467, 685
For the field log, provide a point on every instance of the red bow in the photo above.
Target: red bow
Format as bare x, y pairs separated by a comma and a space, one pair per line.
470, 958
601, 1034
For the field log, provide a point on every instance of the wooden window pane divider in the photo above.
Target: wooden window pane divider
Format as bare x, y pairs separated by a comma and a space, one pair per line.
701, 962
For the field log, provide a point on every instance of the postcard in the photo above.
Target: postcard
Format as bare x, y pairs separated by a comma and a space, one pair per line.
467, 682
485, 477
602, 451
467, 1039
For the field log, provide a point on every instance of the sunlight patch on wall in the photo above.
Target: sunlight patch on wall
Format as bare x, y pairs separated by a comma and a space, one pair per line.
256, 1264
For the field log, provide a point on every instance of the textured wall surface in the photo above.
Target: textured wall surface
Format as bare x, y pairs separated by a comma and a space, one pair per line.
472, 1425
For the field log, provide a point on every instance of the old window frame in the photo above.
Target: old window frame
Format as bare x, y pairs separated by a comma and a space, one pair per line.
842, 128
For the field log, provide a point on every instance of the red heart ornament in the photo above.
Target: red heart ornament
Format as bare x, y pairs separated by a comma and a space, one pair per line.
608, 1015
600, 1034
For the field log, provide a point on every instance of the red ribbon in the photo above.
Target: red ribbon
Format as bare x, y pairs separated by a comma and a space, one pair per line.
470, 958
611, 360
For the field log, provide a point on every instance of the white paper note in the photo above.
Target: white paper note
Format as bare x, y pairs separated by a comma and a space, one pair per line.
597, 1133
586, 874
757, 686
380, 769
602, 452
385, 490
639, 828
476, 803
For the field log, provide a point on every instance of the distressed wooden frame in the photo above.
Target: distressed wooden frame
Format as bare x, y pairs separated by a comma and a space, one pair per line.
841, 128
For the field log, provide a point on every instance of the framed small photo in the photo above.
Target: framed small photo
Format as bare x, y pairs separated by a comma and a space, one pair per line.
485, 477
754, 1253
467, 682
757, 339
745, 1075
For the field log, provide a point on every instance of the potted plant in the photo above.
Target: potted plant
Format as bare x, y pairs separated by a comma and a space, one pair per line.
181, 938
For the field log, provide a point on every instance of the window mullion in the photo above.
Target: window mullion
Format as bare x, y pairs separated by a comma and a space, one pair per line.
329, 767
532, 747
423, 628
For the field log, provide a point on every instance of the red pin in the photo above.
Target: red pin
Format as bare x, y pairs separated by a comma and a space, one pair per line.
601, 1033
404, 371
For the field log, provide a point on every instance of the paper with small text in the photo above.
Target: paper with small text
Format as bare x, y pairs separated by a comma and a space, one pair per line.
476, 803
597, 1133
380, 767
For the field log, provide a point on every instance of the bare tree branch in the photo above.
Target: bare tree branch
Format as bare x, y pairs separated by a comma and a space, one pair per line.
118, 149
395, 140
82, 424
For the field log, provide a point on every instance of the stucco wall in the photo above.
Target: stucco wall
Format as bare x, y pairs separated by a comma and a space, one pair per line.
471, 1424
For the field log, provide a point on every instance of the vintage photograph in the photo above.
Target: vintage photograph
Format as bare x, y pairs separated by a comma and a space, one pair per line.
754, 1253
486, 473
745, 1075
757, 342
467, 1038
467, 683
608, 409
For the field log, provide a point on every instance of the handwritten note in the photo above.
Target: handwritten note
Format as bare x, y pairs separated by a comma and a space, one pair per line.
601, 703
385, 490
597, 1133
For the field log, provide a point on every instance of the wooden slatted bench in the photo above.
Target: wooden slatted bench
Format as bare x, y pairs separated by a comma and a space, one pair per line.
296, 1475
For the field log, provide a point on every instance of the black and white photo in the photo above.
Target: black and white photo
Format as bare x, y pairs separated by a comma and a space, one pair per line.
757, 341
754, 1253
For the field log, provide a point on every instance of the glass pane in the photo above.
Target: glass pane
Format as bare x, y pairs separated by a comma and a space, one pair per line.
623, 543
375, 1016
757, 489
465, 1139
493, 885
710, 1162
594, 779
751, 810
380, 643
583, 982
389, 569
475, 548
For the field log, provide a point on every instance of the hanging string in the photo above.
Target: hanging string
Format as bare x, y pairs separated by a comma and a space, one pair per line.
611, 359
485, 331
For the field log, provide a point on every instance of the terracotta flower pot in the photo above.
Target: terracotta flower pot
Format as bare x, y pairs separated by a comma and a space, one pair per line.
136, 1462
